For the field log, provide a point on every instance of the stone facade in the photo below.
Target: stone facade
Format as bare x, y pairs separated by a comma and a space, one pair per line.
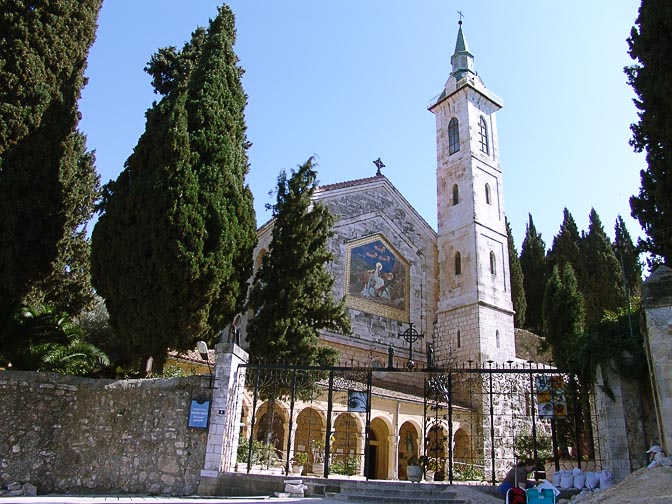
66, 434
373, 209
657, 304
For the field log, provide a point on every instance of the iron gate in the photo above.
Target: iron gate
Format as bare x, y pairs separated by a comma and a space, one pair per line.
468, 423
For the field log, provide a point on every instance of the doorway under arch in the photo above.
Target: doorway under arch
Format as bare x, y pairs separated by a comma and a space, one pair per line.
379, 450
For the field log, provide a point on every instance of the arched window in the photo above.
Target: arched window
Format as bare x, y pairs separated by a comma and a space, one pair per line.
493, 263
459, 339
483, 134
487, 194
453, 136
497, 337
456, 194
458, 264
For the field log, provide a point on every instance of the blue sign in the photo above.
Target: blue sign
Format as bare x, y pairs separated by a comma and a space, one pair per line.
198, 414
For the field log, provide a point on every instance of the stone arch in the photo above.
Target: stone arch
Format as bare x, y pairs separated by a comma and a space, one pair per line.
461, 446
437, 437
347, 440
259, 259
409, 437
379, 449
311, 427
271, 425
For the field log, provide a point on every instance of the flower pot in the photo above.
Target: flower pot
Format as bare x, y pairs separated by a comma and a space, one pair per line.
414, 474
318, 469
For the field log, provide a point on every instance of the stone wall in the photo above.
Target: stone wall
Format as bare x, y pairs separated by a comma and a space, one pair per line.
657, 304
75, 435
640, 413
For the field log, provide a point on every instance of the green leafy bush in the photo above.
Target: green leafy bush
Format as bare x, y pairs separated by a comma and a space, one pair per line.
348, 466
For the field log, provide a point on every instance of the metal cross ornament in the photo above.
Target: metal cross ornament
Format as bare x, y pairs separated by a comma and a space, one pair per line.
410, 335
379, 165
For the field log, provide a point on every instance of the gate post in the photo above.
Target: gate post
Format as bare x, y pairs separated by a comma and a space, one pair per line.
227, 402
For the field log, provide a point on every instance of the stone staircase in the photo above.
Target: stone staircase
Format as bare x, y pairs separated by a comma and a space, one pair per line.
397, 492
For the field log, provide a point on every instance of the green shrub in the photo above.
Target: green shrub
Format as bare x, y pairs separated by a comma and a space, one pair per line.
348, 466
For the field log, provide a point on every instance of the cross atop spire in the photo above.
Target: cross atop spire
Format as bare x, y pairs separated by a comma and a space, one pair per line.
462, 60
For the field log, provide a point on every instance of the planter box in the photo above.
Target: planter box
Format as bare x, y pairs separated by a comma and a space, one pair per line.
414, 473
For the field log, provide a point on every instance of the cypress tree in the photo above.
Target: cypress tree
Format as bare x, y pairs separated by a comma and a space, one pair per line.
628, 257
563, 314
564, 322
565, 248
292, 291
172, 250
517, 288
533, 265
602, 284
45, 171
650, 45
292, 294
67, 287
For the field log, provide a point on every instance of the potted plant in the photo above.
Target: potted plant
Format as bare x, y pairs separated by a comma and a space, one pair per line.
317, 451
414, 470
267, 456
440, 473
431, 467
299, 461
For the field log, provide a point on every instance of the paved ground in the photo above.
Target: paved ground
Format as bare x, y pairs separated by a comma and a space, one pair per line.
147, 499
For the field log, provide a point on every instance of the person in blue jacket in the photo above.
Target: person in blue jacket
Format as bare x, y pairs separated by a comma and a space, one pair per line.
518, 476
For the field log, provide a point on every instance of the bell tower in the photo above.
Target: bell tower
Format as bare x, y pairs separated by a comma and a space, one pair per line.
474, 312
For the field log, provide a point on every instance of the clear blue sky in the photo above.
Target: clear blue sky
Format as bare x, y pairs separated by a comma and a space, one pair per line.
349, 81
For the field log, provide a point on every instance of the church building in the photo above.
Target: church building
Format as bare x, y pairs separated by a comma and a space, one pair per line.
453, 284
443, 295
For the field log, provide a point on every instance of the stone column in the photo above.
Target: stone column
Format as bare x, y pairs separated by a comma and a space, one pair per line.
657, 304
611, 427
392, 457
227, 400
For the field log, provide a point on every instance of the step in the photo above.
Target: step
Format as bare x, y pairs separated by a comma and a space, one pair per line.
391, 499
398, 492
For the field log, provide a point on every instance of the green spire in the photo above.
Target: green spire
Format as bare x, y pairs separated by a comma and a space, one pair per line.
462, 60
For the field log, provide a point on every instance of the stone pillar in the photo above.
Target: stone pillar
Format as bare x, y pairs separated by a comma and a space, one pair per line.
611, 426
657, 304
393, 457
227, 400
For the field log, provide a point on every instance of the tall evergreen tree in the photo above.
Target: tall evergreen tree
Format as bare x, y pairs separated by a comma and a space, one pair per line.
517, 288
292, 291
67, 287
564, 322
45, 171
650, 45
602, 284
565, 248
533, 265
564, 315
172, 250
628, 257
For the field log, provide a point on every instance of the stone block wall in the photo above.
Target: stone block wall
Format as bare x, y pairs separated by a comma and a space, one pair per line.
657, 304
67, 434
